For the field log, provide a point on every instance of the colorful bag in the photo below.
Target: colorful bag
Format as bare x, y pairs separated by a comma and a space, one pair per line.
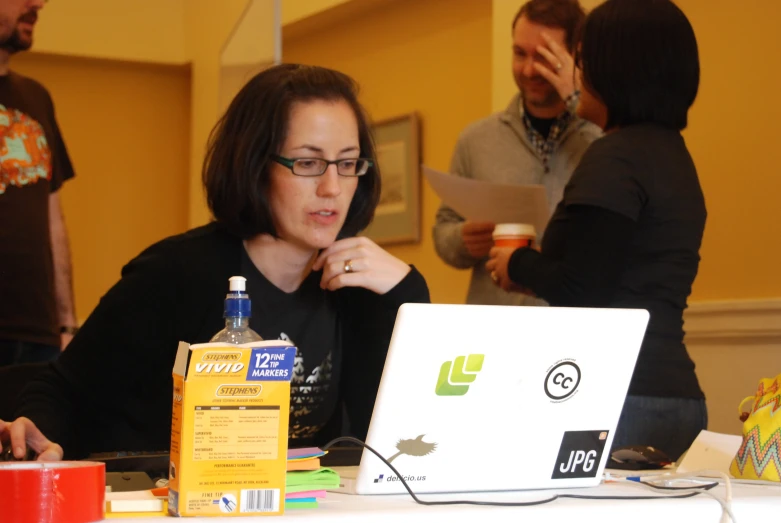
759, 457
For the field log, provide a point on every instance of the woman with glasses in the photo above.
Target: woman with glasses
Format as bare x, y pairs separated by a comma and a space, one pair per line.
291, 179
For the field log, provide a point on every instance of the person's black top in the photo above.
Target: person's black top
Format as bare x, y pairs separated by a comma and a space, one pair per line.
34, 163
627, 234
111, 390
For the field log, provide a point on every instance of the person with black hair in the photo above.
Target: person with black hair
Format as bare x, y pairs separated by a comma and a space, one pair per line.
628, 230
291, 179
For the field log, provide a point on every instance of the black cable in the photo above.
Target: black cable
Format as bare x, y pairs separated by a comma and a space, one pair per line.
705, 486
512, 503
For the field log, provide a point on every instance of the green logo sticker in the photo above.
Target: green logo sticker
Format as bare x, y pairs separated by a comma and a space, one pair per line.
455, 376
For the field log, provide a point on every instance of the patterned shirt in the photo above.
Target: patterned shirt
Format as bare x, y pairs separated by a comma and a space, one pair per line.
546, 146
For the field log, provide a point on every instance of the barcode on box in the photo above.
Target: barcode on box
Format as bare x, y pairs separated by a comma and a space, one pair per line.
260, 500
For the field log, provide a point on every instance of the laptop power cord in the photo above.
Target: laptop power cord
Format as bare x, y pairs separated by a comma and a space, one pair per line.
686, 492
697, 477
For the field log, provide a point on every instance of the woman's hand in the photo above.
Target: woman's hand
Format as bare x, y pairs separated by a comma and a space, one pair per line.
497, 266
560, 71
359, 262
20, 434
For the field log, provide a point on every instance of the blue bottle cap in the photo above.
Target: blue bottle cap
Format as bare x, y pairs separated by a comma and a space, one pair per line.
238, 308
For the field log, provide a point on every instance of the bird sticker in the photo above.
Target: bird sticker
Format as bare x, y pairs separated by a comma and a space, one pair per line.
413, 447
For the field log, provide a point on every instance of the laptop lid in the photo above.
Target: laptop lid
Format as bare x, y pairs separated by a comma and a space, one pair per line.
480, 398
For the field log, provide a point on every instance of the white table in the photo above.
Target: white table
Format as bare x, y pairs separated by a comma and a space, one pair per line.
750, 504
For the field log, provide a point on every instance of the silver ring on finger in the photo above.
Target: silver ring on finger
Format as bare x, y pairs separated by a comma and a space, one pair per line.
348, 266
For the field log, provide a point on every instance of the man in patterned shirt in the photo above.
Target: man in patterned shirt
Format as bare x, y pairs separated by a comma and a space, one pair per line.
536, 140
37, 316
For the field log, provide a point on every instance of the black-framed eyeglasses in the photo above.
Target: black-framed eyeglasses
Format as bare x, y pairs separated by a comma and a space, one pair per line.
318, 166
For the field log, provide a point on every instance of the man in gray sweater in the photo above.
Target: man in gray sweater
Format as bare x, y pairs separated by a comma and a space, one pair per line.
536, 140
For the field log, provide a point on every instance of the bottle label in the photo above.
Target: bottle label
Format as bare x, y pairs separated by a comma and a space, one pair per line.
271, 364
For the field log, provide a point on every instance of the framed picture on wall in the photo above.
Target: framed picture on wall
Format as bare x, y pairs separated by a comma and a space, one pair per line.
397, 219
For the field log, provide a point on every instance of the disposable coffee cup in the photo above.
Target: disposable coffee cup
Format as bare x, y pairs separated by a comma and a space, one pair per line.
514, 235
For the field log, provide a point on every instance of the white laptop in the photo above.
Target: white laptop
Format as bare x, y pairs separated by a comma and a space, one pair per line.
481, 398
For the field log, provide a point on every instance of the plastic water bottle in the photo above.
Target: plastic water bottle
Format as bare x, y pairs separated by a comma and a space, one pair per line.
237, 313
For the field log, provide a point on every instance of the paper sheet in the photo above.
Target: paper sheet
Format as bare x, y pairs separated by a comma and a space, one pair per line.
134, 501
303, 464
306, 494
477, 200
711, 451
304, 453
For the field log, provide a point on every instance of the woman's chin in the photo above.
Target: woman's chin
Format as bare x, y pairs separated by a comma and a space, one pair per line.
312, 238
320, 241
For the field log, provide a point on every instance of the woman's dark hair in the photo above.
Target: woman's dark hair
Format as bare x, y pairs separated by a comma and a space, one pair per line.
562, 14
236, 170
640, 58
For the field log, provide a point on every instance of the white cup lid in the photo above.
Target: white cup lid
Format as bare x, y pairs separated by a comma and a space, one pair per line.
514, 229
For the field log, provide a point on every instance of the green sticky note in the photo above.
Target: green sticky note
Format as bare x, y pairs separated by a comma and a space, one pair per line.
321, 479
299, 505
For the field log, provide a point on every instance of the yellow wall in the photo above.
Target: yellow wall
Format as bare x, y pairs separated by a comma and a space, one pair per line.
144, 30
206, 30
432, 57
140, 30
502, 84
127, 130
156, 31
733, 136
296, 10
